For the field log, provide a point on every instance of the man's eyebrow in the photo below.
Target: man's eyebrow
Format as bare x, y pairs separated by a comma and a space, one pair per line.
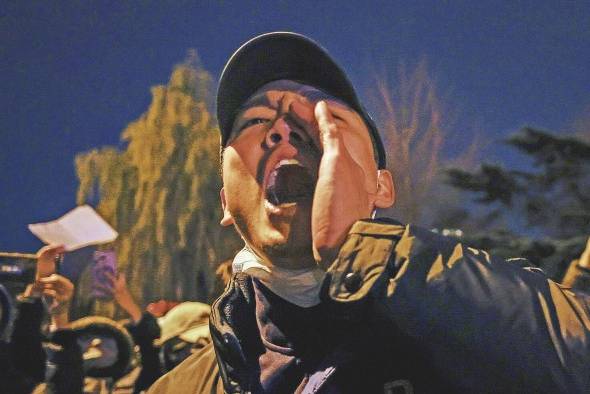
255, 101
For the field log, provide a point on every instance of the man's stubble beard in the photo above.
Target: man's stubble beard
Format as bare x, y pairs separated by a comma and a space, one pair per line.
293, 251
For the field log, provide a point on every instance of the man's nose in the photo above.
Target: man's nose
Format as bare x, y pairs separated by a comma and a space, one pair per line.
283, 131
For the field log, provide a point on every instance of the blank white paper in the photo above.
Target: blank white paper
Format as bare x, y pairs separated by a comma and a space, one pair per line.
80, 227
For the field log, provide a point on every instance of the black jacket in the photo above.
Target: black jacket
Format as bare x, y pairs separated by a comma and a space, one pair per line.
426, 313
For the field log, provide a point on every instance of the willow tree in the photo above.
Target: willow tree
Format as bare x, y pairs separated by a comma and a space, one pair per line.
162, 192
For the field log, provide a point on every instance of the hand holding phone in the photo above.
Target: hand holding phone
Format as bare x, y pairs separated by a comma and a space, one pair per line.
103, 269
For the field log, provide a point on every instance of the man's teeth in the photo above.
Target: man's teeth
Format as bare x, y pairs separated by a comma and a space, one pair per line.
285, 162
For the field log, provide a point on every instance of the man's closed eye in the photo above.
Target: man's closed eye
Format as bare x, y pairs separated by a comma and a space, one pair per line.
253, 122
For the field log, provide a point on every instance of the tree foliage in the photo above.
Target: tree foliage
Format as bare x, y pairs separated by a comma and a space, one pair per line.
416, 124
555, 198
552, 200
161, 193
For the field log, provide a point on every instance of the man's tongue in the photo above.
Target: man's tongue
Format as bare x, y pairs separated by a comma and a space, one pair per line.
289, 183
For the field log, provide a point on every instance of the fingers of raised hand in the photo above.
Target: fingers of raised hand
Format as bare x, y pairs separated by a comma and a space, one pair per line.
37, 287
50, 251
110, 276
585, 257
104, 287
58, 284
329, 133
54, 279
46, 260
48, 292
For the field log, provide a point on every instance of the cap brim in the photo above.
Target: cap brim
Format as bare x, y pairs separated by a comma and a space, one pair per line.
283, 55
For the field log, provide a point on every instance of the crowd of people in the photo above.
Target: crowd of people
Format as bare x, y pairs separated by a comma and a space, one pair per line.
45, 352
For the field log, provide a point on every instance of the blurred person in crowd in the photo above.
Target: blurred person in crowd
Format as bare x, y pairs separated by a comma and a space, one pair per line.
25, 358
56, 357
326, 297
107, 351
19, 374
166, 333
67, 373
184, 330
6, 312
143, 328
161, 307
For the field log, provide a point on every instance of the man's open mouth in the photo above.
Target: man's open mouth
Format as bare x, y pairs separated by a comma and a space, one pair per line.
289, 182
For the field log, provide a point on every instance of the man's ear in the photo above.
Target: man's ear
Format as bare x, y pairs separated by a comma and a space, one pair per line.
227, 219
385, 189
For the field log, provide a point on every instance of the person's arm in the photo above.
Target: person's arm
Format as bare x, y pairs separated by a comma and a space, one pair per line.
60, 291
482, 321
69, 372
25, 347
123, 297
56, 289
144, 332
577, 275
144, 329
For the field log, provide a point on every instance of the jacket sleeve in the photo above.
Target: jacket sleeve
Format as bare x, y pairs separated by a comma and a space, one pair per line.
25, 348
482, 321
69, 373
22, 359
144, 333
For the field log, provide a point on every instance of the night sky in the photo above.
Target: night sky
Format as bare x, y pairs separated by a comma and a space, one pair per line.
75, 73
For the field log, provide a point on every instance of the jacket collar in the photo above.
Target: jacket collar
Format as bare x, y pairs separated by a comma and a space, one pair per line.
235, 334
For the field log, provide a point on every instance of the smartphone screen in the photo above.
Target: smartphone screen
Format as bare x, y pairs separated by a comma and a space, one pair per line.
105, 262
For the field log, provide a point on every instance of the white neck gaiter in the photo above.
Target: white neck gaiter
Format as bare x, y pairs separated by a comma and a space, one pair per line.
299, 286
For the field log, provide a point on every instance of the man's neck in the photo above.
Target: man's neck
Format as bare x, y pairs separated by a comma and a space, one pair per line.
299, 286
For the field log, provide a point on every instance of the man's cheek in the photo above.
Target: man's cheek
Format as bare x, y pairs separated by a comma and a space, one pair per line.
243, 164
243, 197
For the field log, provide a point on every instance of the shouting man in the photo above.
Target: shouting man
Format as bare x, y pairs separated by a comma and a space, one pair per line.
327, 299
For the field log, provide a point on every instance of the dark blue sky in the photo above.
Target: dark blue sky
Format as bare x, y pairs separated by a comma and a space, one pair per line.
74, 73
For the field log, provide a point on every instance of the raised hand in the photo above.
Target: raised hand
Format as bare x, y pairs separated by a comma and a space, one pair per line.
46, 259
59, 291
342, 194
585, 257
59, 288
122, 295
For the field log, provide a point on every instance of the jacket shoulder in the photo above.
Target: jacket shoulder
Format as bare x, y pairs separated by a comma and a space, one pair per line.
199, 373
